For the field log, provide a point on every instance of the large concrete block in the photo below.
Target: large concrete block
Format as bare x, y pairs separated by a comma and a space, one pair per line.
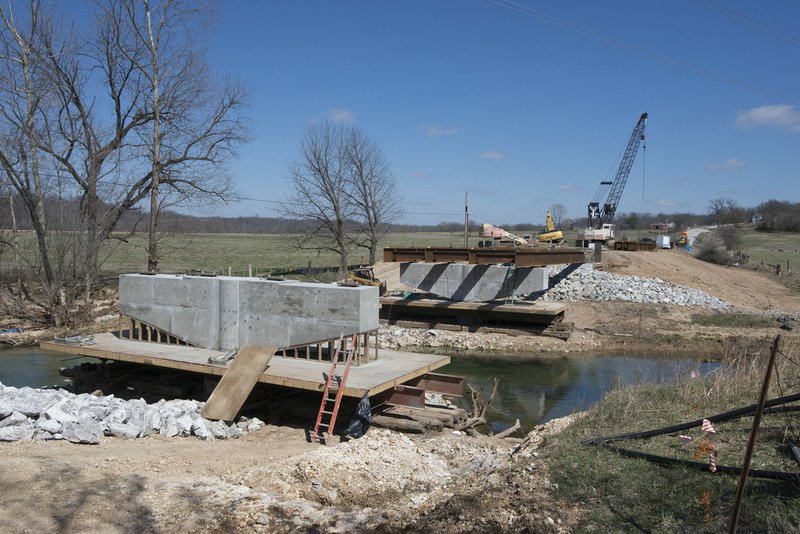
225, 313
473, 283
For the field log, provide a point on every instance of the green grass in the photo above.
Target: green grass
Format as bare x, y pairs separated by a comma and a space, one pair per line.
772, 247
634, 495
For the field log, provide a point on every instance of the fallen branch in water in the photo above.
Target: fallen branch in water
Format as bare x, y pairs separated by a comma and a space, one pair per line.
479, 407
508, 431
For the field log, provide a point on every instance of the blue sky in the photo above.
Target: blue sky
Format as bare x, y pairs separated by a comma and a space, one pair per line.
473, 96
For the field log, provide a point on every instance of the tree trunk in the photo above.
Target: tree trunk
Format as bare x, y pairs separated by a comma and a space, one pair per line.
92, 244
14, 238
152, 242
373, 251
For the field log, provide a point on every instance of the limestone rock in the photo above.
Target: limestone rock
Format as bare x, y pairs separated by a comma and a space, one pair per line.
16, 433
13, 420
86, 431
123, 430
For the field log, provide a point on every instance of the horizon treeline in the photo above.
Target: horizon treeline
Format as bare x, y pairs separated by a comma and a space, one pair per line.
773, 215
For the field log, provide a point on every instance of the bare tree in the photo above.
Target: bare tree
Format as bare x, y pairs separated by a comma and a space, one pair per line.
26, 93
372, 189
195, 124
125, 108
107, 122
320, 191
716, 207
733, 212
558, 212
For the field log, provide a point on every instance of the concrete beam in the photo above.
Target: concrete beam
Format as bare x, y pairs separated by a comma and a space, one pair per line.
473, 283
224, 313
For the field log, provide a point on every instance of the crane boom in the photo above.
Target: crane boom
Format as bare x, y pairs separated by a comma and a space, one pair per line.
597, 216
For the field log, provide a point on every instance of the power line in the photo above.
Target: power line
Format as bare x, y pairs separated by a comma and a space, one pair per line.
586, 32
747, 20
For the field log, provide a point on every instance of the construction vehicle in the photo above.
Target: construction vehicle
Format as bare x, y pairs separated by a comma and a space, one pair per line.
600, 228
550, 234
496, 235
365, 276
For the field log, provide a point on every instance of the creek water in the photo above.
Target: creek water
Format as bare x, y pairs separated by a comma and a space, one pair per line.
538, 389
533, 389
33, 367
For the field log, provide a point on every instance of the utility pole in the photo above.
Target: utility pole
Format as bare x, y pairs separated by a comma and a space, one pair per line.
466, 220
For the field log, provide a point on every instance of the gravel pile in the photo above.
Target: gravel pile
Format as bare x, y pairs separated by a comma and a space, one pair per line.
51, 414
360, 484
585, 283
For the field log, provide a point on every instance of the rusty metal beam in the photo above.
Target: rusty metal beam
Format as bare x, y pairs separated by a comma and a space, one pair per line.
407, 396
520, 256
440, 383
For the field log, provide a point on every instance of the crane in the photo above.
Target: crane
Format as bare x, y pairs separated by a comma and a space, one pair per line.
600, 227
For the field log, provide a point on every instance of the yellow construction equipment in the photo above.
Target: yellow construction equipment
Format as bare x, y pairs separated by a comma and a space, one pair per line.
549, 233
365, 276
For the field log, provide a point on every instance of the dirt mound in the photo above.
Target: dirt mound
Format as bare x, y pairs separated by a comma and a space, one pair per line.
746, 289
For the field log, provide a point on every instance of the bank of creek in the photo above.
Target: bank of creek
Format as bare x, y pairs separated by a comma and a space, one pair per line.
533, 388
273, 480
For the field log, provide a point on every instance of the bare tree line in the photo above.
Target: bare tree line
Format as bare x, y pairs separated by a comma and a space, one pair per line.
122, 110
343, 188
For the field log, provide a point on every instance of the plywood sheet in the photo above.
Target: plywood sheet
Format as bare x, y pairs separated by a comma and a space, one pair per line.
238, 381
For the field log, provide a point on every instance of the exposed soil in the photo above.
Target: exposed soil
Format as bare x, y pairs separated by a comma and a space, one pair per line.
747, 289
274, 481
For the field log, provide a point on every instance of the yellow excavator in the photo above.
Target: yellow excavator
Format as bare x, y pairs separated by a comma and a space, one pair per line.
549, 233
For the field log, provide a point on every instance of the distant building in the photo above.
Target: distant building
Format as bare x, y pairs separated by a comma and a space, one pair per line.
660, 226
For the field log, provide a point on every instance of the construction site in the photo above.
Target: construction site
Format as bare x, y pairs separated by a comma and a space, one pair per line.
322, 407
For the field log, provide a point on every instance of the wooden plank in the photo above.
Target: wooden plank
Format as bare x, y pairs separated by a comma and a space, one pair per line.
238, 381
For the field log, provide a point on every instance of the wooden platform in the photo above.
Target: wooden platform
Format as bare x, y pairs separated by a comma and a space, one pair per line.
392, 369
515, 314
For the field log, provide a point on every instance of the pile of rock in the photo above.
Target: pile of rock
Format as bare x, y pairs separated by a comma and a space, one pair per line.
46, 414
585, 283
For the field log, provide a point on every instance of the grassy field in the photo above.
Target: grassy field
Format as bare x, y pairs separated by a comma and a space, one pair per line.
269, 252
634, 495
265, 252
772, 247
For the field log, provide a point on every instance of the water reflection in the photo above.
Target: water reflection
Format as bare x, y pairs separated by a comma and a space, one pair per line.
538, 390
533, 390
33, 367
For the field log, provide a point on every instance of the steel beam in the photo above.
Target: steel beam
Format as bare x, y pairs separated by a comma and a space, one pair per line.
520, 256
440, 383
407, 396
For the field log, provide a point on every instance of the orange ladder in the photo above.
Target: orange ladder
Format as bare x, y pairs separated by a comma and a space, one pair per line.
328, 396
